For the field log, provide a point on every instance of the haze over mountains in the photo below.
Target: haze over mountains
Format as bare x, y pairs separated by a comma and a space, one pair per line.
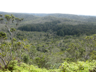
30, 18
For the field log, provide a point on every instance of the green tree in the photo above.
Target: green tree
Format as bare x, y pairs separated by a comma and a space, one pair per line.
1, 19
7, 49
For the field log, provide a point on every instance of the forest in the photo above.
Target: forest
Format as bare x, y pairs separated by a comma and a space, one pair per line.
47, 43
61, 30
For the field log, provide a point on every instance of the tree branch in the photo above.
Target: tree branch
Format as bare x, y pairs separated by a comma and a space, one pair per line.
3, 61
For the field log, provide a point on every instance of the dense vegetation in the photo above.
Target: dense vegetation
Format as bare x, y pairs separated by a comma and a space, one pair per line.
61, 30
47, 47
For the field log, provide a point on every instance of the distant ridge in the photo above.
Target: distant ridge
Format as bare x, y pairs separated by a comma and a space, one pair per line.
30, 18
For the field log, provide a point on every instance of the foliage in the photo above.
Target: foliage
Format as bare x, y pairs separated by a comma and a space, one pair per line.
0, 15
61, 30
25, 59
47, 45
59, 49
79, 66
7, 49
2, 35
14, 66
12, 29
8, 17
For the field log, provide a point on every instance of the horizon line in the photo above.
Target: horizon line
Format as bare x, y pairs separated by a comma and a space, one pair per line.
47, 13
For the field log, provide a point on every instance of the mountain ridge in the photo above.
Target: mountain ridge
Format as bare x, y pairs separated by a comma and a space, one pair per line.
30, 18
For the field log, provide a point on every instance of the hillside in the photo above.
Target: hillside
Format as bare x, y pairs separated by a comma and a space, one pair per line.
47, 43
30, 18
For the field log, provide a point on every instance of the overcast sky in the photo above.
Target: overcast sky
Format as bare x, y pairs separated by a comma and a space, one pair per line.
80, 7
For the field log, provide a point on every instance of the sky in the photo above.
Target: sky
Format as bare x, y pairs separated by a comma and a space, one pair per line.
79, 7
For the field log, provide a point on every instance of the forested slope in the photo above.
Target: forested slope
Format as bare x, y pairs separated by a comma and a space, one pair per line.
61, 30
63, 18
55, 44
